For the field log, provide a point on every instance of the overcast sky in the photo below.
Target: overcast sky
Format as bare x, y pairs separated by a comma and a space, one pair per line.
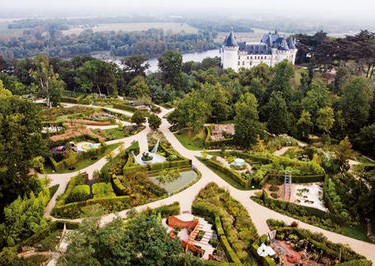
357, 10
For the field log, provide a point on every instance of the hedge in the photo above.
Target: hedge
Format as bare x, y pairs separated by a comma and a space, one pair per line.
251, 157
67, 192
166, 210
234, 175
74, 210
78, 193
228, 249
60, 166
360, 262
301, 178
118, 187
326, 198
185, 163
300, 210
125, 107
102, 190
57, 166
69, 100
334, 252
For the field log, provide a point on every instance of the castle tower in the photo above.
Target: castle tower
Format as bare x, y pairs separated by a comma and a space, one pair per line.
230, 53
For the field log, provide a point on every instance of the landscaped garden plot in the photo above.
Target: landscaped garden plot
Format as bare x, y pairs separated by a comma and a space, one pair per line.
80, 161
310, 194
184, 179
76, 199
60, 114
219, 208
298, 246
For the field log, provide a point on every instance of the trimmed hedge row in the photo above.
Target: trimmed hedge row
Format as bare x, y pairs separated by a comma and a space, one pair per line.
125, 107
67, 192
346, 254
218, 143
69, 100
234, 175
185, 163
74, 210
215, 143
228, 249
118, 187
76, 139
166, 210
300, 210
249, 156
300, 179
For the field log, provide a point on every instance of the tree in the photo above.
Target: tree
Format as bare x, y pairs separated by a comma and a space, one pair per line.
170, 64
325, 119
218, 99
154, 121
344, 152
316, 98
365, 140
97, 76
192, 112
278, 115
304, 125
355, 103
3, 91
281, 81
138, 118
48, 83
20, 142
23, 218
134, 66
141, 240
138, 88
246, 122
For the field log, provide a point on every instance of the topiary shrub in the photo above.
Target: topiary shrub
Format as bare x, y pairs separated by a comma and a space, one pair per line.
79, 193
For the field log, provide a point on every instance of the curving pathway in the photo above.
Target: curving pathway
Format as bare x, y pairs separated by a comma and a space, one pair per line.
258, 213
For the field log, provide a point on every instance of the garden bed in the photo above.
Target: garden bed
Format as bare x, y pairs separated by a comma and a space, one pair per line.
183, 181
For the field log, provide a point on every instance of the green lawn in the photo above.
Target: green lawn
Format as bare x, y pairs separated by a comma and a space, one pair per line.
191, 141
84, 163
223, 176
358, 232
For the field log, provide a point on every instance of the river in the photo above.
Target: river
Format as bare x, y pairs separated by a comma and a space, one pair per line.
196, 57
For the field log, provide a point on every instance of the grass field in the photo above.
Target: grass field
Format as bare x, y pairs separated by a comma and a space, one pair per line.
357, 232
191, 141
130, 27
223, 176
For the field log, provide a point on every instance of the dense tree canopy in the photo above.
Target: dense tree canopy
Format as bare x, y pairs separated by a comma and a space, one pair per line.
246, 121
20, 142
141, 241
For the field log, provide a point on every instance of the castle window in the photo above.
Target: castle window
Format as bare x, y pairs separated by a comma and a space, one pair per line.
243, 63
239, 63
251, 57
247, 57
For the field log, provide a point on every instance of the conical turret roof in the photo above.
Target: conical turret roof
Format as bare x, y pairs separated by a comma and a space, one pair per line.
230, 40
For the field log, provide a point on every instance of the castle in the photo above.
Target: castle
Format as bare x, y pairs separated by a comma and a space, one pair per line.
272, 49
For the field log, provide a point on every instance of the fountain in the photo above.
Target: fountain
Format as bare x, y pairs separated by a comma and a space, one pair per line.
146, 157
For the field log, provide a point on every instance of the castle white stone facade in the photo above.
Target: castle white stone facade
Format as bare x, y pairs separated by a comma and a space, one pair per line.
272, 49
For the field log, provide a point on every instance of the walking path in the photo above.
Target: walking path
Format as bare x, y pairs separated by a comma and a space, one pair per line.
259, 214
